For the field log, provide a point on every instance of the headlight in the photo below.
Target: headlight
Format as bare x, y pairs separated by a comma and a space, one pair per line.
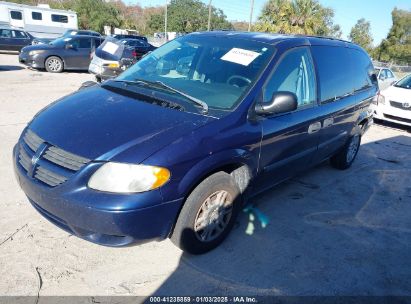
381, 99
31, 53
128, 178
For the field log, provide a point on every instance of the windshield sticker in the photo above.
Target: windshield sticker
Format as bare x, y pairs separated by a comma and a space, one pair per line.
240, 56
110, 48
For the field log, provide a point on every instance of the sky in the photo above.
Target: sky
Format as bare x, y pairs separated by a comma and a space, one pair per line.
347, 12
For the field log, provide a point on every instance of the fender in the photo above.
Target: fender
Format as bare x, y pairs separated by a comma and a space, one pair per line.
224, 160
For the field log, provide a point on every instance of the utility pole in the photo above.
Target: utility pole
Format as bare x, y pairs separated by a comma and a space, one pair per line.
209, 16
165, 22
251, 15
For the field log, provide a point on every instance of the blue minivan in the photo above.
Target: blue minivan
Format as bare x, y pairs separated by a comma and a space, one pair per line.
171, 147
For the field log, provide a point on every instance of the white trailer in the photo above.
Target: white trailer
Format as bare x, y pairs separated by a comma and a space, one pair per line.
41, 21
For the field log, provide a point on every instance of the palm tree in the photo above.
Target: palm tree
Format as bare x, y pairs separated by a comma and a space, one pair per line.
306, 17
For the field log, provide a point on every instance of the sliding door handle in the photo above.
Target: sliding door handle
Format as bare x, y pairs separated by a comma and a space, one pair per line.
314, 127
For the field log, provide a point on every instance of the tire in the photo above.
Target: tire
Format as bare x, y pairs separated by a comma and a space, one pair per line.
197, 236
54, 64
344, 158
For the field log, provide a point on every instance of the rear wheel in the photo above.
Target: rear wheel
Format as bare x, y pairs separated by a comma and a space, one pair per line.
344, 159
54, 64
208, 214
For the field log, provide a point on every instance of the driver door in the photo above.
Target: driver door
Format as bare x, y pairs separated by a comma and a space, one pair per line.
290, 140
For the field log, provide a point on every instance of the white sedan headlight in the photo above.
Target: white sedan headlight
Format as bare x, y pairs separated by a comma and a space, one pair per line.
128, 178
31, 53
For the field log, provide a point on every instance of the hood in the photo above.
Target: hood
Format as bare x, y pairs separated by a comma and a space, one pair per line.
397, 94
104, 125
38, 47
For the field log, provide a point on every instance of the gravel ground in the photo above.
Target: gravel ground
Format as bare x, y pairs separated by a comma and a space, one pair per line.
330, 232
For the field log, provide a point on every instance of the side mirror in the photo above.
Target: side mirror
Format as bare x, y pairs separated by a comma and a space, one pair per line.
69, 46
281, 102
382, 77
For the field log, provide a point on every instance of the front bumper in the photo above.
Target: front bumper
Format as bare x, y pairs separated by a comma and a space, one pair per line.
391, 114
102, 218
31, 61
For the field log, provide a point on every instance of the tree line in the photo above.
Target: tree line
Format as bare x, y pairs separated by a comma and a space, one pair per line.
306, 17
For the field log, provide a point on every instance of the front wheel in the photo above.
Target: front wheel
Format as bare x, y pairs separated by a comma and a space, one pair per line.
54, 64
344, 159
208, 214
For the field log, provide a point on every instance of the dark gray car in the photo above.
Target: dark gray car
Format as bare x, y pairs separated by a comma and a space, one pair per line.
13, 39
68, 53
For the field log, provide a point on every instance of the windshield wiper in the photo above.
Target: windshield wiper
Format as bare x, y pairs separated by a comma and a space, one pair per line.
189, 97
163, 85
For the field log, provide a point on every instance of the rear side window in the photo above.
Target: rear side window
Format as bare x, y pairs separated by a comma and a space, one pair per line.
383, 74
362, 69
335, 74
18, 34
390, 74
59, 18
16, 15
5, 34
295, 73
36, 16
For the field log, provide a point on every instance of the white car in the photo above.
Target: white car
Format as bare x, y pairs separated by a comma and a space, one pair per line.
385, 77
394, 103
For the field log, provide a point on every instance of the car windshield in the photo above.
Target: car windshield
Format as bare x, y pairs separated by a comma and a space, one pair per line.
60, 41
404, 83
215, 70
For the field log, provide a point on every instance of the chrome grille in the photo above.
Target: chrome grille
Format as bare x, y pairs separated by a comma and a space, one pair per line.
65, 159
24, 159
32, 140
48, 177
54, 167
399, 105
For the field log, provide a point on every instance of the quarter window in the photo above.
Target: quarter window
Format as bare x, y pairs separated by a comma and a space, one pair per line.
36, 16
16, 15
362, 70
295, 73
59, 18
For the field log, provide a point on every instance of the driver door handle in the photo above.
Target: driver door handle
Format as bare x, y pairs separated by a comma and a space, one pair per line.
314, 127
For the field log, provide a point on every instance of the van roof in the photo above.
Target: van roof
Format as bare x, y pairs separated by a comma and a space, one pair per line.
275, 38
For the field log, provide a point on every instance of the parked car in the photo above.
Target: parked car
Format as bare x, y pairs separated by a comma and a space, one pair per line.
12, 39
385, 77
71, 53
139, 46
68, 33
394, 103
124, 36
111, 58
173, 149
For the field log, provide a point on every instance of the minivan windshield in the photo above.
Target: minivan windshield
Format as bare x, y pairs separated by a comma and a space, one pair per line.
213, 69
404, 83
